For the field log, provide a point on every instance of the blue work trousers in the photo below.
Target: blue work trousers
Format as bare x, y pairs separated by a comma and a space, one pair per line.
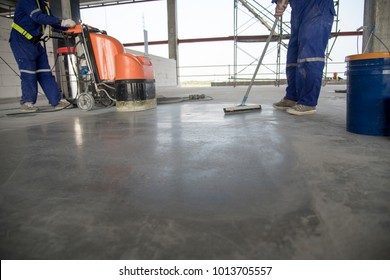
34, 68
311, 24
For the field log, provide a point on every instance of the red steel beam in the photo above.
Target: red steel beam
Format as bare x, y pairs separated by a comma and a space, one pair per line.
254, 38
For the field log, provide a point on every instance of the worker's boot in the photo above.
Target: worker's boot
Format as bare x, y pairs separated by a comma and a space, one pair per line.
28, 107
284, 104
63, 104
300, 110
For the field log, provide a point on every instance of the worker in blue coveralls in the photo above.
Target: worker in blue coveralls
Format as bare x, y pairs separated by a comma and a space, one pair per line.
311, 24
30, 20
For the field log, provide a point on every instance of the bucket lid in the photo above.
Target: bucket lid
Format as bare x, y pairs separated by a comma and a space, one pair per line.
365, 56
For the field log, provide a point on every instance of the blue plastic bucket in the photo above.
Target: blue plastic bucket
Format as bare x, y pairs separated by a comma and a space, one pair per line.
368, 94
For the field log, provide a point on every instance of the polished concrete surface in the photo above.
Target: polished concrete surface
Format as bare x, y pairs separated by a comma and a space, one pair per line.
185, 181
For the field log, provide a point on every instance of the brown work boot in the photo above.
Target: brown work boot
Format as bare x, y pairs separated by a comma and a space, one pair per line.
63, 104
284, 104
300, 110
28, 107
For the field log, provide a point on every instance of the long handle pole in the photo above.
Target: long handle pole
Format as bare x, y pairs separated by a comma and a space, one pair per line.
261, 59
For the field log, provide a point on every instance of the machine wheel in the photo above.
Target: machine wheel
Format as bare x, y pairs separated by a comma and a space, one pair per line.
104, 100
85, 101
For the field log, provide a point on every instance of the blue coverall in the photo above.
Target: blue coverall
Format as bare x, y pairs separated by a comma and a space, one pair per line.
31, 17
311, 24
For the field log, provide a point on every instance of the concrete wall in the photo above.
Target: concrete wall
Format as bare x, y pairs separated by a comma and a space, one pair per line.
9, 81
376, 13
164, 69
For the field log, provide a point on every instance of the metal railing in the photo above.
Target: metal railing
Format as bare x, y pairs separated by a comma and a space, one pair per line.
225, 73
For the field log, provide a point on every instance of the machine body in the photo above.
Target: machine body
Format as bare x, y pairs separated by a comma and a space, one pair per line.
96, 69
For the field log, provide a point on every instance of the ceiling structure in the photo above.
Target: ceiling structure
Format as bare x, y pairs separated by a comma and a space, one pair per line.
7, 7
91, 4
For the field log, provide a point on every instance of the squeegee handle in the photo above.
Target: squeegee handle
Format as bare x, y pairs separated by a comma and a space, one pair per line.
261, 59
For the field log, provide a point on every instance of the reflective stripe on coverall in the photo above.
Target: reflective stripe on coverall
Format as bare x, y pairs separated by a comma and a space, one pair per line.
32, 58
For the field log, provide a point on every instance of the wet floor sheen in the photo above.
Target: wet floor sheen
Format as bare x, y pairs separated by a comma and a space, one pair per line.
185, 181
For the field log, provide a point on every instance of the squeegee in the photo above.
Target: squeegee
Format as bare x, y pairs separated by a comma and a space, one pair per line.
242, 108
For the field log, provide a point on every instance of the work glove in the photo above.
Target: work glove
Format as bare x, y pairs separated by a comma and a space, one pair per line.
280, 8
68, 23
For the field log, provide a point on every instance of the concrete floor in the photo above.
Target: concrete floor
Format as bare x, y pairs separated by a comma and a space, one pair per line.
184, 181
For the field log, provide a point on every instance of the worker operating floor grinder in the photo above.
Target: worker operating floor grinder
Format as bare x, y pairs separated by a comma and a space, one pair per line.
95, 68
